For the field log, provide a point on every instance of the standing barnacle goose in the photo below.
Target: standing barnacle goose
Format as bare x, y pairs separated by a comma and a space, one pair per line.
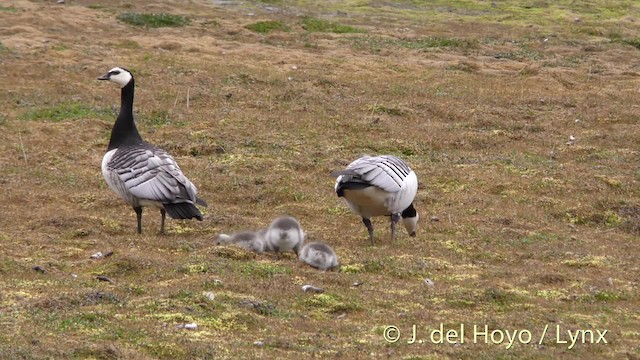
141, 173
377, 186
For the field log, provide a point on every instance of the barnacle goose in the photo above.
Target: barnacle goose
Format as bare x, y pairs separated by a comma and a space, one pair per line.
284, 234
377, 186
318, 255
250, 240
141, 173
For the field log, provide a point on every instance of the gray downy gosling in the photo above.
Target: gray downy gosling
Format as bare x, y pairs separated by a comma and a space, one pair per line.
319, 255
250, 240
284, 234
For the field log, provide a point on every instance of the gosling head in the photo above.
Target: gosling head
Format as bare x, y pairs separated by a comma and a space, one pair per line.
118, 75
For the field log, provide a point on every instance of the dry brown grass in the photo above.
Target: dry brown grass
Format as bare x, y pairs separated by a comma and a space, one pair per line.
480, 100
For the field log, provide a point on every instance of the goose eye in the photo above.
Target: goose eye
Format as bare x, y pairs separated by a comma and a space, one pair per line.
115, 72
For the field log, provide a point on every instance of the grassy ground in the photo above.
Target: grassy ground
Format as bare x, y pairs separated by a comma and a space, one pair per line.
521, 227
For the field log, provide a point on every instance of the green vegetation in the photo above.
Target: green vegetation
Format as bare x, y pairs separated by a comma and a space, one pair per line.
318, 25
266, 27
66, 111
376, 43
154, 20
520, 227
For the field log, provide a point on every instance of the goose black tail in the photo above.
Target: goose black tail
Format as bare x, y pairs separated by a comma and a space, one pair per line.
350, 185
183, 211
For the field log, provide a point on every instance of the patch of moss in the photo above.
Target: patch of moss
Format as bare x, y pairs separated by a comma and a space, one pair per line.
66, 111
318, 25
330, 303
265, 27
154, 20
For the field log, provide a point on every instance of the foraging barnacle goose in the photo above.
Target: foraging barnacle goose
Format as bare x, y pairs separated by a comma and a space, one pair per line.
141, 173
250, 240
377, 186
284, 234
318, 255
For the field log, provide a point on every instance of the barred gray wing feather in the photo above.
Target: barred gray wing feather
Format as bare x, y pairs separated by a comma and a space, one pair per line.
152, 174
386, 172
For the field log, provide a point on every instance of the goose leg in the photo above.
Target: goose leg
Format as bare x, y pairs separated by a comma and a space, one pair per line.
163, 212
138, 210
369, 225
394, 220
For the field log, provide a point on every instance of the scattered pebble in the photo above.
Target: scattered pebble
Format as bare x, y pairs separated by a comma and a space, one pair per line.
258, 343
577, 120
313, 289
435, 218
402, 314
104, 278
191, 326
341, 316
75, 276
39, 269
294, 67
60, 1
289, 78
572, 140
357, 283
98, 255
209, 295
610, 281
429, 282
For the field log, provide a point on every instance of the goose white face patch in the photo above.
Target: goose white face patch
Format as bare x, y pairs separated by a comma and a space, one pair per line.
120, 76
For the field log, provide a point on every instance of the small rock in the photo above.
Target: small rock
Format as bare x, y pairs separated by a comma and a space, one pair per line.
429, 282
313, 289
75, 276
104, 278
294, 67
402, 314
341, 316
289, 78
610, 281
577, 120
228, 95
96, 256
357, 283
435, 218
191, 326
209, 295
39, 269
258, 343
572, 140
60, 1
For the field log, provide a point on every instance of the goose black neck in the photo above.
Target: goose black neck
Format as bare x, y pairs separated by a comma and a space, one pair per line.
124, 131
